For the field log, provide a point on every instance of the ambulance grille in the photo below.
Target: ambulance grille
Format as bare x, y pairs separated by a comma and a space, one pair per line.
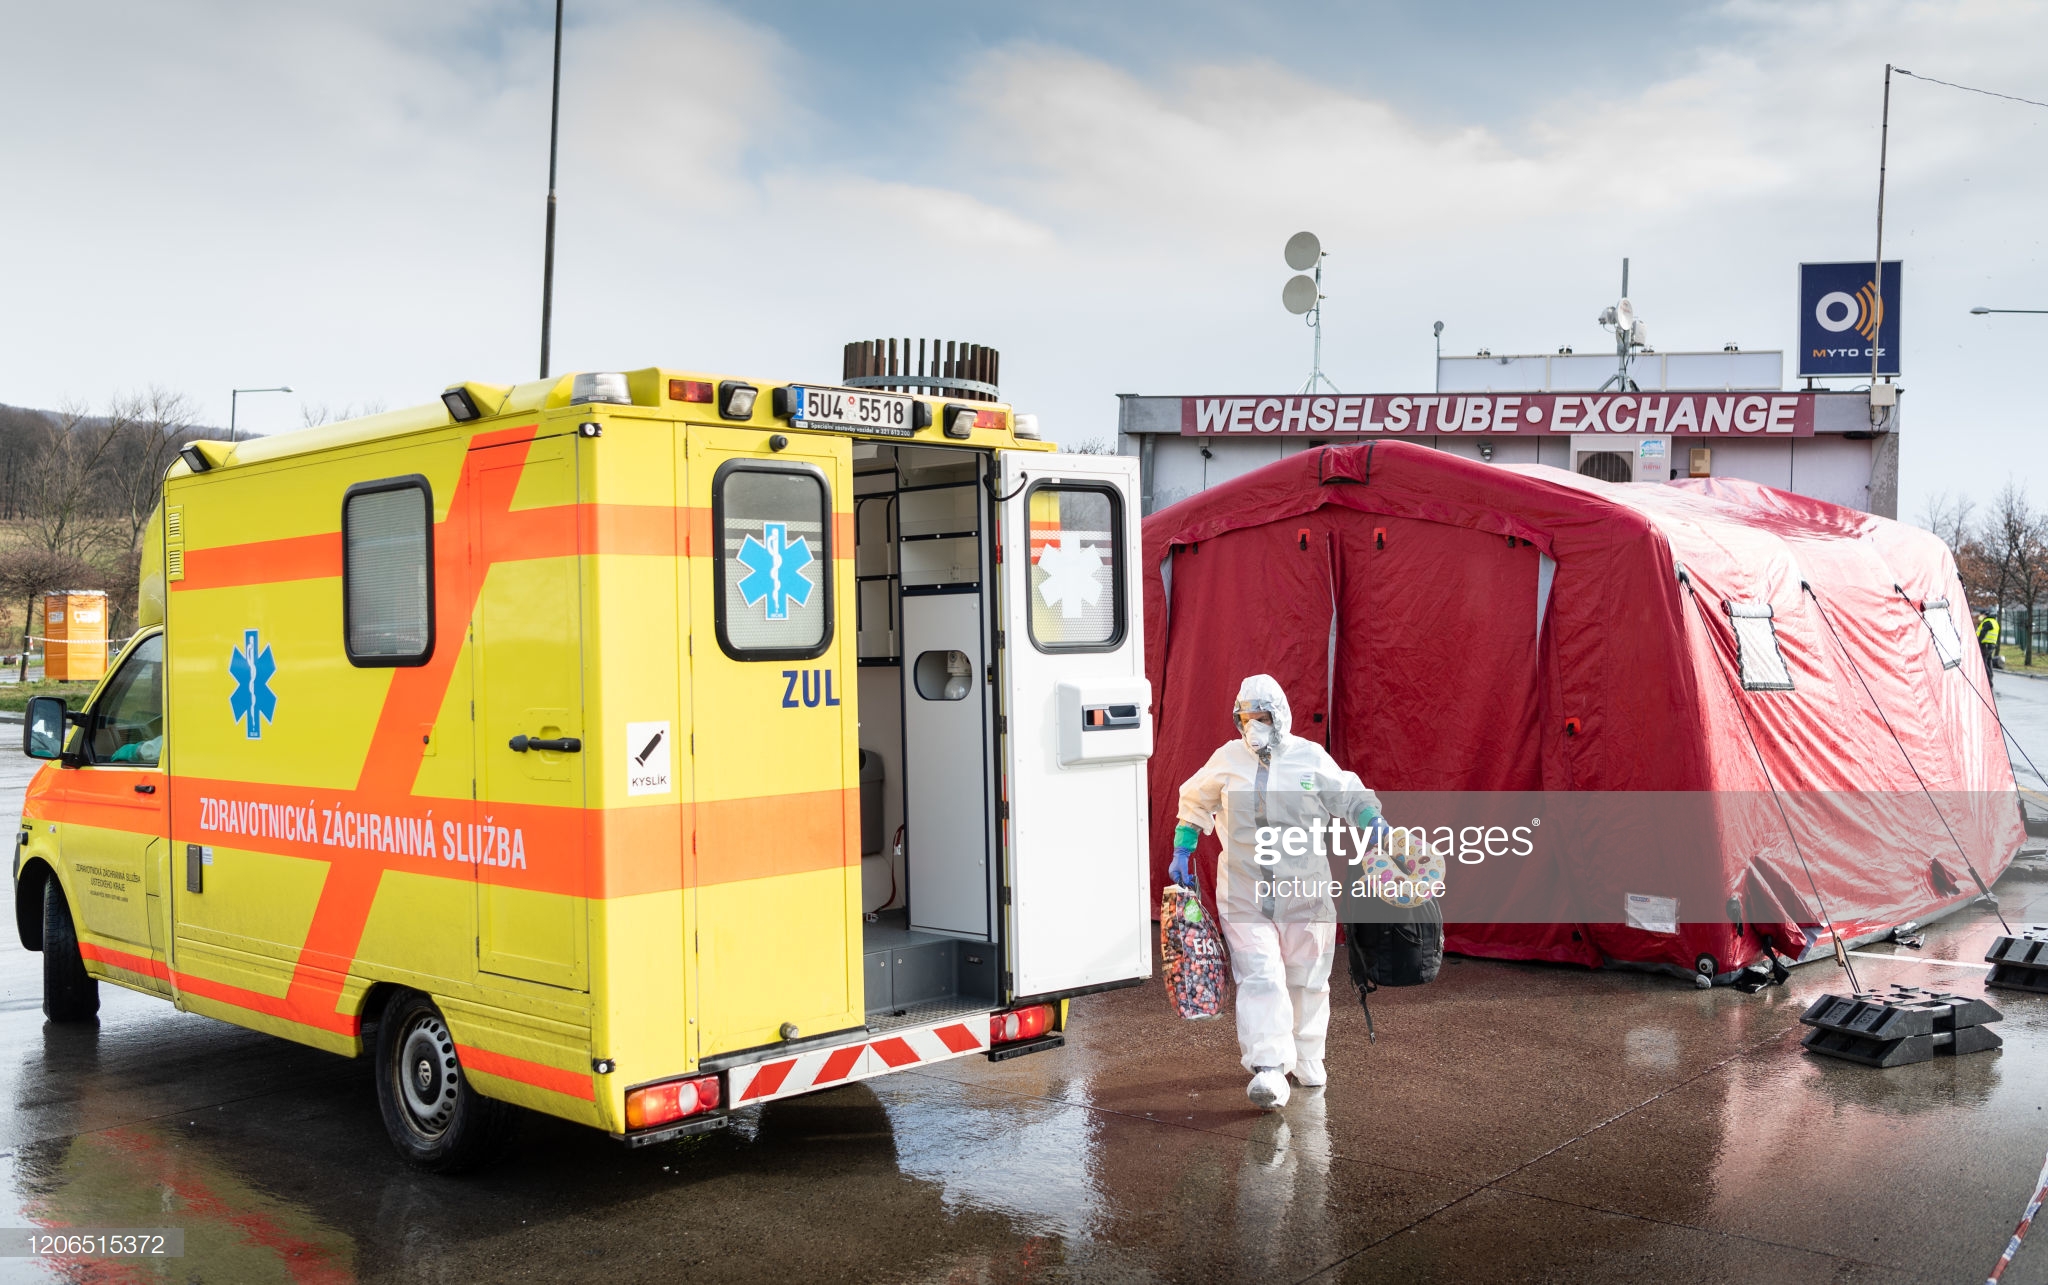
174, 544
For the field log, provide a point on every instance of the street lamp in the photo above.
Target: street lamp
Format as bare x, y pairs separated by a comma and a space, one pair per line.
1439, 356
235, 396
2035, 312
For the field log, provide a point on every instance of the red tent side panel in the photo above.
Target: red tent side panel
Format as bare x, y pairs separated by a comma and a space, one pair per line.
1394, 591
1430, 576
1891, 764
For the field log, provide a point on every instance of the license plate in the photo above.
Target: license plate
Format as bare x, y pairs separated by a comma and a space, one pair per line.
855, 410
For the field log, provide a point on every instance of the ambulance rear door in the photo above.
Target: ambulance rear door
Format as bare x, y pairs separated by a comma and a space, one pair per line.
1076, 723
774, 851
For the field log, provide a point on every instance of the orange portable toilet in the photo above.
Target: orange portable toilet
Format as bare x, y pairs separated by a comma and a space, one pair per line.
75, 635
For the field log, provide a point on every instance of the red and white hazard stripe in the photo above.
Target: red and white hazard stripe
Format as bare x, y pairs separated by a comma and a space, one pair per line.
861, 1059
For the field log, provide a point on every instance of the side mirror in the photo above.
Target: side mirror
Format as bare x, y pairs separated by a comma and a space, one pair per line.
43, 728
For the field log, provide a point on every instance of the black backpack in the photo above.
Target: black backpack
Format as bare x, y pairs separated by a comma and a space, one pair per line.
1405, 952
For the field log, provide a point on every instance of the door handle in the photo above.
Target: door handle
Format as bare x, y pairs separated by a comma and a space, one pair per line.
145, 789
560, 744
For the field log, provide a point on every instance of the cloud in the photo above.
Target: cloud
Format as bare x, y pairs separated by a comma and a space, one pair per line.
350, 200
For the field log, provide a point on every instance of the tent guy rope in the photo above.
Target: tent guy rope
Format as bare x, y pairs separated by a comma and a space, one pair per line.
1857, 670
1820, 903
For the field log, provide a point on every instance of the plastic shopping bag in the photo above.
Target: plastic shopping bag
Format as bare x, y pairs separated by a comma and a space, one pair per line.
1192, 954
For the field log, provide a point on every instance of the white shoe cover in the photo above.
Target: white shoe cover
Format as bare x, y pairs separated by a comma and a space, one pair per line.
1308, 1073
1268, 1089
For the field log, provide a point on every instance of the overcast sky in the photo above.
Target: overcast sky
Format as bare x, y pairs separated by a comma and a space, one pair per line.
349, 198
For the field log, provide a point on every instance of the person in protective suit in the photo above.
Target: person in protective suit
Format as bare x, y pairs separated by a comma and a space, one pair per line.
1281, 946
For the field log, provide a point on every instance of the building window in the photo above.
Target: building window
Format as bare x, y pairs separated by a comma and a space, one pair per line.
1756, 648
774, 560
1077, 567
387, 572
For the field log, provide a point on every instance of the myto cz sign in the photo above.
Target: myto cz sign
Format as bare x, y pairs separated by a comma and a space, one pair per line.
1686, 414
1842, 314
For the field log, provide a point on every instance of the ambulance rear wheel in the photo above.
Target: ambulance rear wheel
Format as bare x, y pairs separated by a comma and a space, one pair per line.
436, 1119
69, 993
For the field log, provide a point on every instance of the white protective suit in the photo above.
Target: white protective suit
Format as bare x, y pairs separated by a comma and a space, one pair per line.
1280, 949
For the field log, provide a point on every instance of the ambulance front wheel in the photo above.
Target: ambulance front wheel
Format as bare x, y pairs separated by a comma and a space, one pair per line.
437, 1121
69, 992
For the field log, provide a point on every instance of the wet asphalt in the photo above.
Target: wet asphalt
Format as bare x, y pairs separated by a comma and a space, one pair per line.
1512, 1123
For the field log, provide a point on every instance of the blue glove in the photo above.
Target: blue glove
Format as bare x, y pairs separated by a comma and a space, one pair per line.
1373, 826
1181, 869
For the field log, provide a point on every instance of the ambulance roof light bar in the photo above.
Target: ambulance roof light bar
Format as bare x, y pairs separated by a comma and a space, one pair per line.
609, 387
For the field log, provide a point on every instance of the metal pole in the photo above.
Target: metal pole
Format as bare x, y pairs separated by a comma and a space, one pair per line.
1627, 340
231, 414
1884, 136
547, 281
1317, 374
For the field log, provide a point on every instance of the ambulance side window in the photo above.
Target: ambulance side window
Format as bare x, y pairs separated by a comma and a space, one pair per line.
774, 589
387, 572
128, 719
1077, 567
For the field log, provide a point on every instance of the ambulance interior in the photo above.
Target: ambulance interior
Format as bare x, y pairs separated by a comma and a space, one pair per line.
923, 569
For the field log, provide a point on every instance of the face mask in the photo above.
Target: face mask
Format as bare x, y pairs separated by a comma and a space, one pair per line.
1258, 735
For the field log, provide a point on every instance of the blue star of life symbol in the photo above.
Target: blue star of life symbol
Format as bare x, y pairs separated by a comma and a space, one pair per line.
775, 570
253, 703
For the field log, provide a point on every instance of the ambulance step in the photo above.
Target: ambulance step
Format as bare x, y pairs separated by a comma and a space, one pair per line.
908, 971
1899, 1026
882, 1021
2020, 962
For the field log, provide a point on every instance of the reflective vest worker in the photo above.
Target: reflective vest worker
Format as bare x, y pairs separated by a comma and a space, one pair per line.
1987, 638
1280, 948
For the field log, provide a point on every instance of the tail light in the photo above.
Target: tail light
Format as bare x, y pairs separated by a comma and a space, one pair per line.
670, 1101
961, 420
689, 390
1027, 1023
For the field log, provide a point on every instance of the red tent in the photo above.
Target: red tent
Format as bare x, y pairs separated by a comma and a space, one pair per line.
1446, 625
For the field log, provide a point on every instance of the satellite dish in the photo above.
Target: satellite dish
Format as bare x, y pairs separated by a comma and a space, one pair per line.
1302, 252
1625, 315
1299, 294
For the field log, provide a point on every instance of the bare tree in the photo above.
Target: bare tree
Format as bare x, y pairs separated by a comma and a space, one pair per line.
1949, 518
27, 573
22, 436
65, 504
157, 423
123, 582
313, 415
2015, 539
1954, 520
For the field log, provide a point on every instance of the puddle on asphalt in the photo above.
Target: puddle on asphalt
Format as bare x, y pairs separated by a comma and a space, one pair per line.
146, 1177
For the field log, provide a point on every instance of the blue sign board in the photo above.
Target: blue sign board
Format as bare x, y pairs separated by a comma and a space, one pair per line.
1841, 315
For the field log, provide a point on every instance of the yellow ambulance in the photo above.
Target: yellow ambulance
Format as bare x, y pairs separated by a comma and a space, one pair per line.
634, 747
